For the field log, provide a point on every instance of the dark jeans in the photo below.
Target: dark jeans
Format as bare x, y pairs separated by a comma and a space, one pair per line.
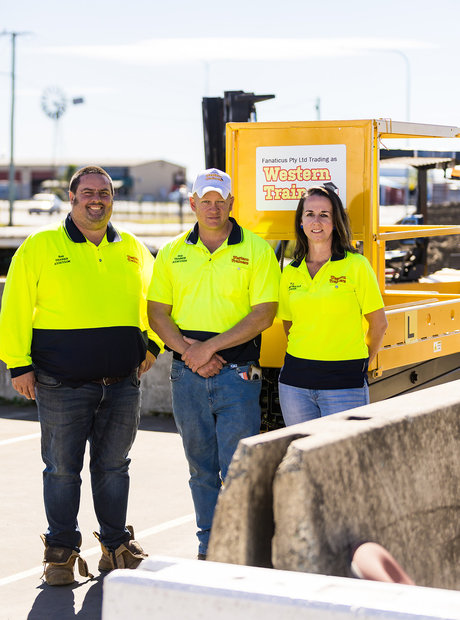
106, 416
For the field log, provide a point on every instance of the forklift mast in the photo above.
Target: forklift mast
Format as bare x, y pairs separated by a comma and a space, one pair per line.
234, 107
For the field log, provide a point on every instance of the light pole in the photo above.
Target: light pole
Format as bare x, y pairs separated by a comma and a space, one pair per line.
408, 80
11, 184
11, 179
408, 106
408, 74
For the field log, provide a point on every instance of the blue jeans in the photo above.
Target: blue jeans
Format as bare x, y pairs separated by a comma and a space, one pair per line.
302, 404
106, 416
212, 415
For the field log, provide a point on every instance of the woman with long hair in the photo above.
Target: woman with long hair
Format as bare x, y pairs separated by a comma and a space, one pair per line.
325, 293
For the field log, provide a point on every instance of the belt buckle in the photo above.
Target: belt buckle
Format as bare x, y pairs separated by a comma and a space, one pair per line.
104, 380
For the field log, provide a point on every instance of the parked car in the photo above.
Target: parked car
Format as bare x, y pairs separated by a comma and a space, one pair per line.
46, 203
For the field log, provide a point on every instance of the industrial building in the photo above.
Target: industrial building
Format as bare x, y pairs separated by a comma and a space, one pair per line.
136, 180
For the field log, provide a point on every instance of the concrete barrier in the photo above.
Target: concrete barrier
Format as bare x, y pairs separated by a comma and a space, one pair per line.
387, 472
174, 589
155, 386
243, 524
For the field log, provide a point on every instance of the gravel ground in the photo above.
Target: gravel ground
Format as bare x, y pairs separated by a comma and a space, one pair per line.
440, 251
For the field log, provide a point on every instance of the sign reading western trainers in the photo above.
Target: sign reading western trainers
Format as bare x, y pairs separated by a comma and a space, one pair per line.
284, 173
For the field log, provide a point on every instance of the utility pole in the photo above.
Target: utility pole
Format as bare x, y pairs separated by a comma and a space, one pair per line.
11, 185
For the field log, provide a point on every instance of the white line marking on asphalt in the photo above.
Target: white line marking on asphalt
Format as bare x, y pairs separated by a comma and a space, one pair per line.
156, 529
5, 442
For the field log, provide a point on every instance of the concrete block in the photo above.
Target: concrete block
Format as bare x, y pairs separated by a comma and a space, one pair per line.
243, 521
173, 589
155, 387
388, 472
6, 389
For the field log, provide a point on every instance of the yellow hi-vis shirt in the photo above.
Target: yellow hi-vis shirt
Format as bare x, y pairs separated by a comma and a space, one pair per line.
211, 292
327, 311
75, 309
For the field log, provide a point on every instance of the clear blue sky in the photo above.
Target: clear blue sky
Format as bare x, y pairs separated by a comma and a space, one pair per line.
144, 66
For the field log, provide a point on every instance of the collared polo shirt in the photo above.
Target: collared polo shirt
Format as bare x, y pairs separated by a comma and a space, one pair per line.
211, 292
328, 329
74, 309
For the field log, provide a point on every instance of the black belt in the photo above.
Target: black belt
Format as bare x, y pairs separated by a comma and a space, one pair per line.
108, 380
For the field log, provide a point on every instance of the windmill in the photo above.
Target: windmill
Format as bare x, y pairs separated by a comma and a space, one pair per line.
54, 104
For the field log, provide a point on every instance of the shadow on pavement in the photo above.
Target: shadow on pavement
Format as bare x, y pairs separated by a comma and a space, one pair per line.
16, 411
161, 423
58, 603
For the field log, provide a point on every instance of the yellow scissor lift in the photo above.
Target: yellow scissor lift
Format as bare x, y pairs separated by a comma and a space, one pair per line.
272, 163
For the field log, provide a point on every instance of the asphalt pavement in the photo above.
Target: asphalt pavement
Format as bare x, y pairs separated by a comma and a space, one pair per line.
160, 509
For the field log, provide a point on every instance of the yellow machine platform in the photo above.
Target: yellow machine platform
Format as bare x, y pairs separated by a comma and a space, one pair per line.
271, 164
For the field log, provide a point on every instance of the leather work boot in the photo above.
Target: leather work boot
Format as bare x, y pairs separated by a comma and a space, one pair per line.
128, 555
58, 563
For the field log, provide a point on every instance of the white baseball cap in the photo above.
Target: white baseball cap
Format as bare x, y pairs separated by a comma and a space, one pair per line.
212, 180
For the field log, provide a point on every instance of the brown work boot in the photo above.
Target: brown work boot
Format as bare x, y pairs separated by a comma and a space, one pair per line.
128, 555
58, 563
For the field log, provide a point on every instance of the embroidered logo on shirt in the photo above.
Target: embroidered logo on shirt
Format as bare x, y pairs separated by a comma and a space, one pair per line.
340, 279
293, 286
180, 258
61, 259
132, 259
240, 259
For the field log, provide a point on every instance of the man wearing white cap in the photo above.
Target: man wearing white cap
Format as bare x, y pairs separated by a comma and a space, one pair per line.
214, 290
